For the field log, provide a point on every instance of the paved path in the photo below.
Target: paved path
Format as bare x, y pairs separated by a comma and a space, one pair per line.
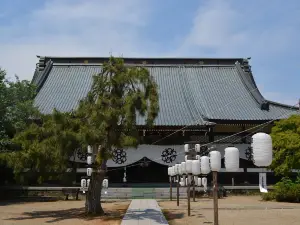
142, 212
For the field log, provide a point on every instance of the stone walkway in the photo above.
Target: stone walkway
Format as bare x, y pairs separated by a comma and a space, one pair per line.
142, 212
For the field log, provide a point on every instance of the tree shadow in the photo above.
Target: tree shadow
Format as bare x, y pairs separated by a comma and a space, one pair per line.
151, 214
23, 200
171, 215
55, 216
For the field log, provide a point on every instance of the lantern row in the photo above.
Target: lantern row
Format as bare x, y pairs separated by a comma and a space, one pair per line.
261, 150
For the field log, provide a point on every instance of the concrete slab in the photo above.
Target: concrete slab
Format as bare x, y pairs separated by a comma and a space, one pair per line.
142, 212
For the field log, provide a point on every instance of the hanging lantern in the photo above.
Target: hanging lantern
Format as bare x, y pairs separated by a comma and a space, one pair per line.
232, 159
105, 183
88, 182
189, 166
196, 170
199, 183
89, 160
181, 182
169, 171
186, 148
183, 168
173, 171
89, 149
205, 168
262, 149
204, 183
197, 147
177, 168
89, 172
83, 183
215, 161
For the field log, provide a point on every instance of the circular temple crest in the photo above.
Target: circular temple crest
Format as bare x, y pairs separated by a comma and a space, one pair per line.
119, 156
168, 155
81, 154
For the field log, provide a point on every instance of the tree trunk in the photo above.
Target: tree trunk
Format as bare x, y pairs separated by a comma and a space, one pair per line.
93, 196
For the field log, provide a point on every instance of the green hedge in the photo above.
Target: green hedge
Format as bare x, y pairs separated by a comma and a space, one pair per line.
284, 191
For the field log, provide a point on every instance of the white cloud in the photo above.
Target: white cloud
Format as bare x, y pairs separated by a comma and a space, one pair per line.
267, 33
73, 28
230, 30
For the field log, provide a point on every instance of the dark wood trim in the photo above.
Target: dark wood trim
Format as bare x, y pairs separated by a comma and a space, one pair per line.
239, 122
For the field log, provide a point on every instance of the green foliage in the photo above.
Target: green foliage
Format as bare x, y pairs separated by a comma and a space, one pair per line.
284, 191
286, 144
117, 95
105, 118
16, 108
45, 149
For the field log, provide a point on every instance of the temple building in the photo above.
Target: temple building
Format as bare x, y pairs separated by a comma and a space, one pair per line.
202, 100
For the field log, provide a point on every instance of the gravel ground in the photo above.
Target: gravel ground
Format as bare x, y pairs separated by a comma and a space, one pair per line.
59, 212
235, 210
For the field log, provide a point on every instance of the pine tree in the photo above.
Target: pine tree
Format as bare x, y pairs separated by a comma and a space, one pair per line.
108, 116
105, 119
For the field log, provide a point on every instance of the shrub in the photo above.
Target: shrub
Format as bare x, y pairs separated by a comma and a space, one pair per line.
284, 191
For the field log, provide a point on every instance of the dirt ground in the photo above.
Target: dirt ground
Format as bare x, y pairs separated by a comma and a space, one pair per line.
234, 210
59, 212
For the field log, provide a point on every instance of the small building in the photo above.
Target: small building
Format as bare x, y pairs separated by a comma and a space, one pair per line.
202, 100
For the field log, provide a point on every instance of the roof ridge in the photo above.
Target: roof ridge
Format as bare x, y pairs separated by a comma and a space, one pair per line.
283, 105
147, 65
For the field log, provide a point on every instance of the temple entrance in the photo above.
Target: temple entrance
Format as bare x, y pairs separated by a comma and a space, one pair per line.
143, 171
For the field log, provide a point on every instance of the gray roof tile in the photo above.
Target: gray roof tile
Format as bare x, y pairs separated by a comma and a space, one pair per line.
187, 94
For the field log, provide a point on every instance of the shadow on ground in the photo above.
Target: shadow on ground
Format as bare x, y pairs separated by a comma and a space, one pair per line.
54, 216
22, 200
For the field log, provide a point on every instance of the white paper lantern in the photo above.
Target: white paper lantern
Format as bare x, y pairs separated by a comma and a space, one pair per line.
88, 182
183, 167
105, 183
89, 160
186, 181
186, 147
89, 149
204, 183
196, 167
197, 147
189, 166
169, 171
83, 183
173, 171
199, 183
215, 161
181, 182
232, 159
89, 172
262, 149
205, 168
177, 169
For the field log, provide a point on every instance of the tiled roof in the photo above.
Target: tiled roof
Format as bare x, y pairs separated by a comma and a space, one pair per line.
188, 94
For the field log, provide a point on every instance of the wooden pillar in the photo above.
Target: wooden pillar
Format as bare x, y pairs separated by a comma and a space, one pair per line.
170, 188
177, 190
215, 194
194, 189
189, 196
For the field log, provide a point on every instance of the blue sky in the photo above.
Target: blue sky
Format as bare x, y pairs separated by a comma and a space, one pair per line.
267, 31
